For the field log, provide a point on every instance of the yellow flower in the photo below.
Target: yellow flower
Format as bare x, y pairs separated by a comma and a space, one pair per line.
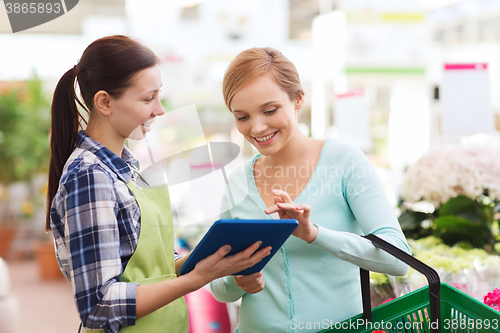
44, 189
27, 208
378, 278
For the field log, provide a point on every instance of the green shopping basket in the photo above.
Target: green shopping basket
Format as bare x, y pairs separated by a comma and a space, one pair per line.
435, 308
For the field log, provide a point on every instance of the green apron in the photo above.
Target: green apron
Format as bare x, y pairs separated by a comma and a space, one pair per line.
153, 260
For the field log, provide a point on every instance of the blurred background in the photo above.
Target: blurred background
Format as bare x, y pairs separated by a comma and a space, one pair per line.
414, 84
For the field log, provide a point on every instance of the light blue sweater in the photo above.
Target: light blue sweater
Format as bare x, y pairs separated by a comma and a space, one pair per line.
310, 287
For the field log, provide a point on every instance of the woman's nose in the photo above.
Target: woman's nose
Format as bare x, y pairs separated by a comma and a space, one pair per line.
259, 127
159, 110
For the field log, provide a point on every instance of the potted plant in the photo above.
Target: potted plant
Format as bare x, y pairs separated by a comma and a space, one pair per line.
24, 153
453, 192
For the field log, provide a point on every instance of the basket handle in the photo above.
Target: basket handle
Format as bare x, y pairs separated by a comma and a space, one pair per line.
431, 275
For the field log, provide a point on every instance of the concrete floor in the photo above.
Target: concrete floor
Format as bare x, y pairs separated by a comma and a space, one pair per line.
45, 306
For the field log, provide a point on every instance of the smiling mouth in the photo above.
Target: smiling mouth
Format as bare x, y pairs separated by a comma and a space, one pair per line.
266, 138
147, 126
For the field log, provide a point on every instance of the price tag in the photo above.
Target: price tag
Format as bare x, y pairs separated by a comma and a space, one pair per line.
352, 119
466, 100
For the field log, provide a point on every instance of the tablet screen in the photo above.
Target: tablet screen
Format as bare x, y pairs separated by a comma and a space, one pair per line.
240, 234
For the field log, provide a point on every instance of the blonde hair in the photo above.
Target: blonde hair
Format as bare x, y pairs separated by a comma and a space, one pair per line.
258, 61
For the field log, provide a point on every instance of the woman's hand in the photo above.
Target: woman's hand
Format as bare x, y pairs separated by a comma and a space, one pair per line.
287, 209
252, 283
217, 265
153, 296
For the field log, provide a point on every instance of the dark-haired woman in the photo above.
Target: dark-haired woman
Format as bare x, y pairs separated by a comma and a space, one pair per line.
113, 233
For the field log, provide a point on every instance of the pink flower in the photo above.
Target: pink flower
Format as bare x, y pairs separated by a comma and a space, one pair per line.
492, 299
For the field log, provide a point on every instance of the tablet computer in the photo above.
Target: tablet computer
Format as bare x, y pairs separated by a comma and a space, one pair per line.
240, 234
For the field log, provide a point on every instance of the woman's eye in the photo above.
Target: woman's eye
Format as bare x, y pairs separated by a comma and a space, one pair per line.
242, 118
270, 111
150, 99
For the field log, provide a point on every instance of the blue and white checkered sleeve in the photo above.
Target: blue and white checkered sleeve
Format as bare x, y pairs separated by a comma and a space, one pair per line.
94, 243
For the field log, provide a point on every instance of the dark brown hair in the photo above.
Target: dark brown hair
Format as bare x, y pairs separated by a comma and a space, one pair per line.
108, 64
255, 62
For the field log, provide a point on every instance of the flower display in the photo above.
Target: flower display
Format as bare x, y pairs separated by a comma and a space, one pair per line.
382, 288
492, 299
448, 259
472, 270
378, 278
453, 192
448, 171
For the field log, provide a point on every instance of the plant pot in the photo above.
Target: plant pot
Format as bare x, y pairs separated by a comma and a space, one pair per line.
48, 267
7, 234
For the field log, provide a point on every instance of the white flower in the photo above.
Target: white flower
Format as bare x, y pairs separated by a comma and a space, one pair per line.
447, 171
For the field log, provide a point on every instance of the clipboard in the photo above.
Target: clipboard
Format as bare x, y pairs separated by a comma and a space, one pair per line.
240, 234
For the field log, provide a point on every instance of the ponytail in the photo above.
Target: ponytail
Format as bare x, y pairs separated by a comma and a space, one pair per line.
63, 133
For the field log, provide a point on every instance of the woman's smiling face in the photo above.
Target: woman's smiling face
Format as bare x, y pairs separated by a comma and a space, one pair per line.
136, 109
265, 115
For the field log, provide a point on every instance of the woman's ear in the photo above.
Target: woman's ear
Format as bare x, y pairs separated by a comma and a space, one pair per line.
299, 101
102, 102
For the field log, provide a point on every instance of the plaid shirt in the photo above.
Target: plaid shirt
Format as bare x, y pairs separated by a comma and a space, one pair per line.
95, 221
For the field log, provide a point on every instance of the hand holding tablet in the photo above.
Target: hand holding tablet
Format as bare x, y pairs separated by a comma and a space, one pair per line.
240, 234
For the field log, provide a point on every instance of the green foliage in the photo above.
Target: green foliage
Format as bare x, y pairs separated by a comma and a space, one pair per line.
378, 278
412, 226
453, 228
460, 220
464, 219
463, 206
24, 131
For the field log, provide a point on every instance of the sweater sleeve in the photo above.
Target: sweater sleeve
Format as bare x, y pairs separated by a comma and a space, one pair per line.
226, 290
365, 195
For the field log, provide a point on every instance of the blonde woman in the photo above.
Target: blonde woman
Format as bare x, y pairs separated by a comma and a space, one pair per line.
328, 186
